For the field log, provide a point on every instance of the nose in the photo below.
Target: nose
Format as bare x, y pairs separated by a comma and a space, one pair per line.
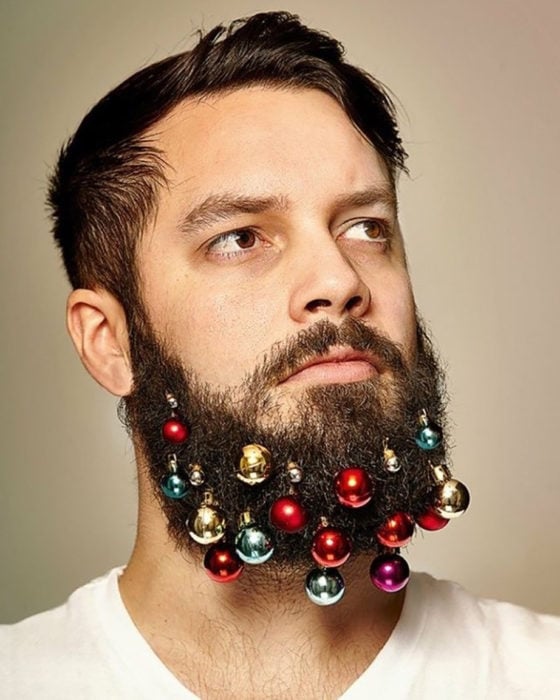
326, 283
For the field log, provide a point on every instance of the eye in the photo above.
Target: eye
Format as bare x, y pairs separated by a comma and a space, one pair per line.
233, 243
367, 230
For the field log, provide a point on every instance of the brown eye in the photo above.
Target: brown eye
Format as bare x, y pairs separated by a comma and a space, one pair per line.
367, 230
373, 229
233, 243
245, 239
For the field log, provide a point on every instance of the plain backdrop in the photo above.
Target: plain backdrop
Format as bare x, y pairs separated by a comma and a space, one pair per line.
477, 84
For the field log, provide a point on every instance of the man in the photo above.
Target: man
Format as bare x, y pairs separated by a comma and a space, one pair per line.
228, 221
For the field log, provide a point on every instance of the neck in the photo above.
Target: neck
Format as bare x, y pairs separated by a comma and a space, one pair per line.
258, 632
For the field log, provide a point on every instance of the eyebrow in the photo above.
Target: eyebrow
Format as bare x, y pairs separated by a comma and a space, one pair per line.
220, 207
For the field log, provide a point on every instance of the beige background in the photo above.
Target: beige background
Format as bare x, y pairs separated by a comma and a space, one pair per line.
478, 82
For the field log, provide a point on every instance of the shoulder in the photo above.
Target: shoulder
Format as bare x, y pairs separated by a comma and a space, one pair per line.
452, 600
514, 647
54, 652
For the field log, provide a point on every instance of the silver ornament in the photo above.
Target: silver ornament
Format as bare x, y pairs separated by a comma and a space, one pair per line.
324, 586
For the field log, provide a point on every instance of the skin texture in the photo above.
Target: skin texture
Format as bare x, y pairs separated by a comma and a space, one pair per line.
221, 303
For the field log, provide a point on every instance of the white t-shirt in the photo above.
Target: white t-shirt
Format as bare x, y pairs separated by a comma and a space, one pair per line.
447, 644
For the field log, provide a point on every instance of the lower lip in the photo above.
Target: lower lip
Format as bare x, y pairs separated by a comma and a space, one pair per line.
334, 373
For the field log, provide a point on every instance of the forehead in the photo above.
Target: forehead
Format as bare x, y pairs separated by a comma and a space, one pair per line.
260, 140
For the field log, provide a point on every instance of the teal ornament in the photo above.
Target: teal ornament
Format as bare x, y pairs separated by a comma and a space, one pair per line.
428, 435
174, 486
324, 586
253, 545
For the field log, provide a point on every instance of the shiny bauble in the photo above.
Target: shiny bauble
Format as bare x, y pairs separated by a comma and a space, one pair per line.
253, 545
396, 531
287, 514
295, 473
324, 586
196, 475
331, 547
430, 520
389, 573
353, 487
255, 465
222, 563
174, 431
428, 436
451, 499
174, 486
207, 525
391, 461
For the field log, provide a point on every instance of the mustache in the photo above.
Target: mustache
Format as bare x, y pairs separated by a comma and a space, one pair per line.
286, 356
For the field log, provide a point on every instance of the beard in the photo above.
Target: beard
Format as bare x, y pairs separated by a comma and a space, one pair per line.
327, 428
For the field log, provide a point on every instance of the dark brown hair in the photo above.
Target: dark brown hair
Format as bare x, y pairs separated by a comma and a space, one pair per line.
104, 189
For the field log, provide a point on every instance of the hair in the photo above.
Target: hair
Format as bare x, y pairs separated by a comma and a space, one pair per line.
104, 189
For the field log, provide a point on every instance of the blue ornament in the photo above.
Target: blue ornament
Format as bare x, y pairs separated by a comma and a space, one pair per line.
324, 586
174, 486
428, 436
253, 545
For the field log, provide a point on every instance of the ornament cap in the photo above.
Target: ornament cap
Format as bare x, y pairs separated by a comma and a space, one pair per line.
171, 400
245, 518
440, 473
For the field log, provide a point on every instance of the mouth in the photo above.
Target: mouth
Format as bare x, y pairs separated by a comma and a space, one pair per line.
339, 366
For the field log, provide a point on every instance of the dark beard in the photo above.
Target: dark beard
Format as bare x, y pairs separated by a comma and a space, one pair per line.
335, 426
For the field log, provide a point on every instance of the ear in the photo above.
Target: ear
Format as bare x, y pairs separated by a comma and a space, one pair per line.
97, 325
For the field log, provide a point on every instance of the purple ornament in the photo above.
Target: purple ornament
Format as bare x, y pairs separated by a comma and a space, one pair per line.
389, 572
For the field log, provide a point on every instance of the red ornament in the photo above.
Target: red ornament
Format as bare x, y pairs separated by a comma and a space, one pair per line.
396, 531
222, 563
430, 520
353, 487
175, 431
331, 547
286, 513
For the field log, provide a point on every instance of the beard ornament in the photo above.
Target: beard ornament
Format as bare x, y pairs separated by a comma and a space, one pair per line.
385, 427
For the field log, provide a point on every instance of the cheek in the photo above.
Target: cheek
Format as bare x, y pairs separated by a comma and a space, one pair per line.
399, 313
220, 335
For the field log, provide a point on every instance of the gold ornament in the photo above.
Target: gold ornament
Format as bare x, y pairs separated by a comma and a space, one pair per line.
451, 496
255, 465
207, 524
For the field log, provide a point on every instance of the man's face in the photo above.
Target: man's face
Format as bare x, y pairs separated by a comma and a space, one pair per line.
278, 214
279, 312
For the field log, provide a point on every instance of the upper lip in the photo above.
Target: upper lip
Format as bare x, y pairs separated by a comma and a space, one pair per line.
339, 354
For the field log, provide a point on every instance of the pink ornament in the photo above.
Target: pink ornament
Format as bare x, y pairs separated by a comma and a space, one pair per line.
389, 572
